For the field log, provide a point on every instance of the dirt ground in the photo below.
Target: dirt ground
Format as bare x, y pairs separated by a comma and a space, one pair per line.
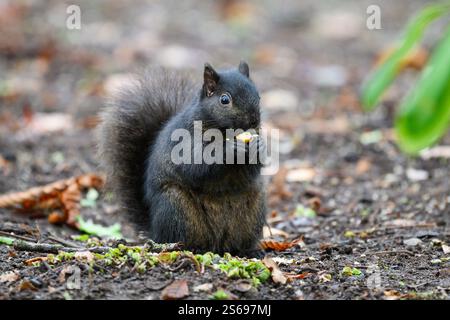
384, 215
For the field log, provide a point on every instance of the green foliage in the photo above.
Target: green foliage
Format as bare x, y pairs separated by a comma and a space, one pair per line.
6, 240
220, 295
424, 114
302, 211
141, 258
243, 268
348, 271
91, 198
95, 229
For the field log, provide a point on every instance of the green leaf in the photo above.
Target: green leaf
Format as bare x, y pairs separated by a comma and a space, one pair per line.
302, 211
424, 115
6, 240
91, 198
220, 295
356, 272
95, 229
378, 81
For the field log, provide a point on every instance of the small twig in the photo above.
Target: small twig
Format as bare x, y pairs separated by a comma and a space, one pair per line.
22, 245
62, 241
12, 235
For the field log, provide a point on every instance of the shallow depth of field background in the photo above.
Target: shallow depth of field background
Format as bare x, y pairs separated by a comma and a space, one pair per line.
308, 58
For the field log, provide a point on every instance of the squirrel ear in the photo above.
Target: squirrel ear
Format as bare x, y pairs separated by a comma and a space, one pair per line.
244, 69
210, 80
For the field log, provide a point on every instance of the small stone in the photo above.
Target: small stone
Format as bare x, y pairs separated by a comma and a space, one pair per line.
412, 242
206, 287
416, 175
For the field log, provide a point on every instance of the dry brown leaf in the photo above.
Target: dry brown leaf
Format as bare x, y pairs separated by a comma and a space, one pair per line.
29, 262
176, 290
9, 277
277, 274
61, 196
26, 285
302, 275
279, 245
392, 295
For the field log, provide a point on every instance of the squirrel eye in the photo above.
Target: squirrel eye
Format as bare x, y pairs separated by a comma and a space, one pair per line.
225, 99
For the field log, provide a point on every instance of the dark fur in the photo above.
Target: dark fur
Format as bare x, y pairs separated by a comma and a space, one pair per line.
216, 207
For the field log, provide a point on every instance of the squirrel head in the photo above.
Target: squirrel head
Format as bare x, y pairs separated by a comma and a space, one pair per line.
229, 98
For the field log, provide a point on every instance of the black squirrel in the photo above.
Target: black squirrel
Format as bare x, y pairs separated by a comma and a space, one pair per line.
207, 207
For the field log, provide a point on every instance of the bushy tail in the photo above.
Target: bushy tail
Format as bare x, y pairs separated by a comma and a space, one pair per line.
129, 126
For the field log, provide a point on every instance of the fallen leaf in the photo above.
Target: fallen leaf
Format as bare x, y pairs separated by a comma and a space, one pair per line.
277, 274
29, 262
279, 245
86, 256
9, 277
302, 275
26, 285
176, 290
62, 197
392, 295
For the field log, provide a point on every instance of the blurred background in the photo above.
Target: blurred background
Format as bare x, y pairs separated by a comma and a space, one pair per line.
308, 58
343, 186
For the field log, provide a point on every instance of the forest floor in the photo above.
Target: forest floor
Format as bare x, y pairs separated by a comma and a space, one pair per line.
374, 223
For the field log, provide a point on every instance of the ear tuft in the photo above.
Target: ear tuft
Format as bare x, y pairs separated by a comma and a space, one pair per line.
244, 69
210, 80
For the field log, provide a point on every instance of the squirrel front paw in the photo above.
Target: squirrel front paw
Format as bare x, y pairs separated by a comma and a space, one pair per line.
251, 151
